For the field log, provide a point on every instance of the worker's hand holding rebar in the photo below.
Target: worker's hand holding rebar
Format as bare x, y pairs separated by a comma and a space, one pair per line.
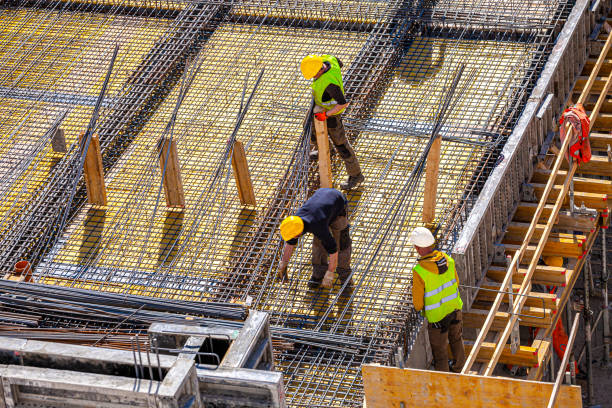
282, 271
322, 116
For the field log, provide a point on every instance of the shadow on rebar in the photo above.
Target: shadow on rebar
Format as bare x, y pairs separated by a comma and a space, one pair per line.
169, 244
93, 227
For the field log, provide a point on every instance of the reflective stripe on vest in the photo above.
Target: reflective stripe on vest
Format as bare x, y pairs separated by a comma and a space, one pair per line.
442, 301
331, 76
441, 291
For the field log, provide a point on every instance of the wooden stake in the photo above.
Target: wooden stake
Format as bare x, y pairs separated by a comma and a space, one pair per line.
431, 181
242, 175
324, 159
173, 184
94, 172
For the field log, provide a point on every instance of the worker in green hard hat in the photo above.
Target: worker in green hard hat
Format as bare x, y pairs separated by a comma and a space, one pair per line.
330, 102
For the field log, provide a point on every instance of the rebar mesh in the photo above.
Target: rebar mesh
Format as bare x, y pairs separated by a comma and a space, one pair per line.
399, 58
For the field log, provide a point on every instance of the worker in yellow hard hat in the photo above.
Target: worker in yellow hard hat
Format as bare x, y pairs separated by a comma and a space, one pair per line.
330, 102
325, 216
435, 292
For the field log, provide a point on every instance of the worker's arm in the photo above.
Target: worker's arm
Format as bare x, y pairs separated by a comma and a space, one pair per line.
336, 109
418, 291
335, 92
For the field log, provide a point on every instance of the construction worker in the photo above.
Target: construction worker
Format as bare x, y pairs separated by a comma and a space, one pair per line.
435, 292
325, 210
328, 94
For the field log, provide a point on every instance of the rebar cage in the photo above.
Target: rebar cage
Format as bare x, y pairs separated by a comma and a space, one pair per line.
200, 60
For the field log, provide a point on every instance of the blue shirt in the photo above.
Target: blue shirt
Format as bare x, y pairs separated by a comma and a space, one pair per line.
320, 210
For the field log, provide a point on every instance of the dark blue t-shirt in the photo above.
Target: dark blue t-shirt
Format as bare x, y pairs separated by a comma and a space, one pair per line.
325, 205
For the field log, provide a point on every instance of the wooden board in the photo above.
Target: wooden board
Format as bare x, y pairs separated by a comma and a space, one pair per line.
242, 175
94, 172
431, 181
387, 387
171, 173
324, 159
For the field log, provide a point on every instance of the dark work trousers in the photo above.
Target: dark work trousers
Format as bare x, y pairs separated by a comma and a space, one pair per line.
440, 338
340, 230
335, 129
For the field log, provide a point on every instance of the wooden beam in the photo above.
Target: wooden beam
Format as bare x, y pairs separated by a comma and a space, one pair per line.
599, 165
242, 174
387, 387
94, 172
600, 141
565, 247
530, 317
171, 173
565, 220
534, 299
325, 174
598, 201
516, 231
544, 275
582, 184
431, 181
525, 356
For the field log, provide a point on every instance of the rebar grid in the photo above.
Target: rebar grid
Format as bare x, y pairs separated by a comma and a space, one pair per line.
398, 59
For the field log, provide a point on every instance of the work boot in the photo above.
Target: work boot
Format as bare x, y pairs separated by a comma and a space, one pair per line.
314, 283
352, 182
314, 155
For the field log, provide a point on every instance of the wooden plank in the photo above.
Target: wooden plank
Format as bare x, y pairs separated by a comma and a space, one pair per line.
581, 184
598, 201
565, 220
325, 174
530, 317
431, 181
563, 246
171, 173
515, 233
242, 175
534, 299
600, 141
94, 172
599, 165
544, 275
525, 356
387, 387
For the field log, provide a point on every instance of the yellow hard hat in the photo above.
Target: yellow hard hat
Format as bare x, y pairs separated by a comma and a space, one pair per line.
553, 261
291, 227
311, 64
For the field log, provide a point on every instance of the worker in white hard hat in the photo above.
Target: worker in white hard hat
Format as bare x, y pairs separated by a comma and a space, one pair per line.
324, 215
330, 102
435, 292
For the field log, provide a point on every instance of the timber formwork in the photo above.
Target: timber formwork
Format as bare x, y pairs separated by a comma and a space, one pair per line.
399, 58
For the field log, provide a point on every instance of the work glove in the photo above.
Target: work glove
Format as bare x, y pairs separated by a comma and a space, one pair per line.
322, 116
282, 271
328, 280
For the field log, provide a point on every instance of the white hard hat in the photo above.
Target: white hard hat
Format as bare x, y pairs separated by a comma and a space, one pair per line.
422, 237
